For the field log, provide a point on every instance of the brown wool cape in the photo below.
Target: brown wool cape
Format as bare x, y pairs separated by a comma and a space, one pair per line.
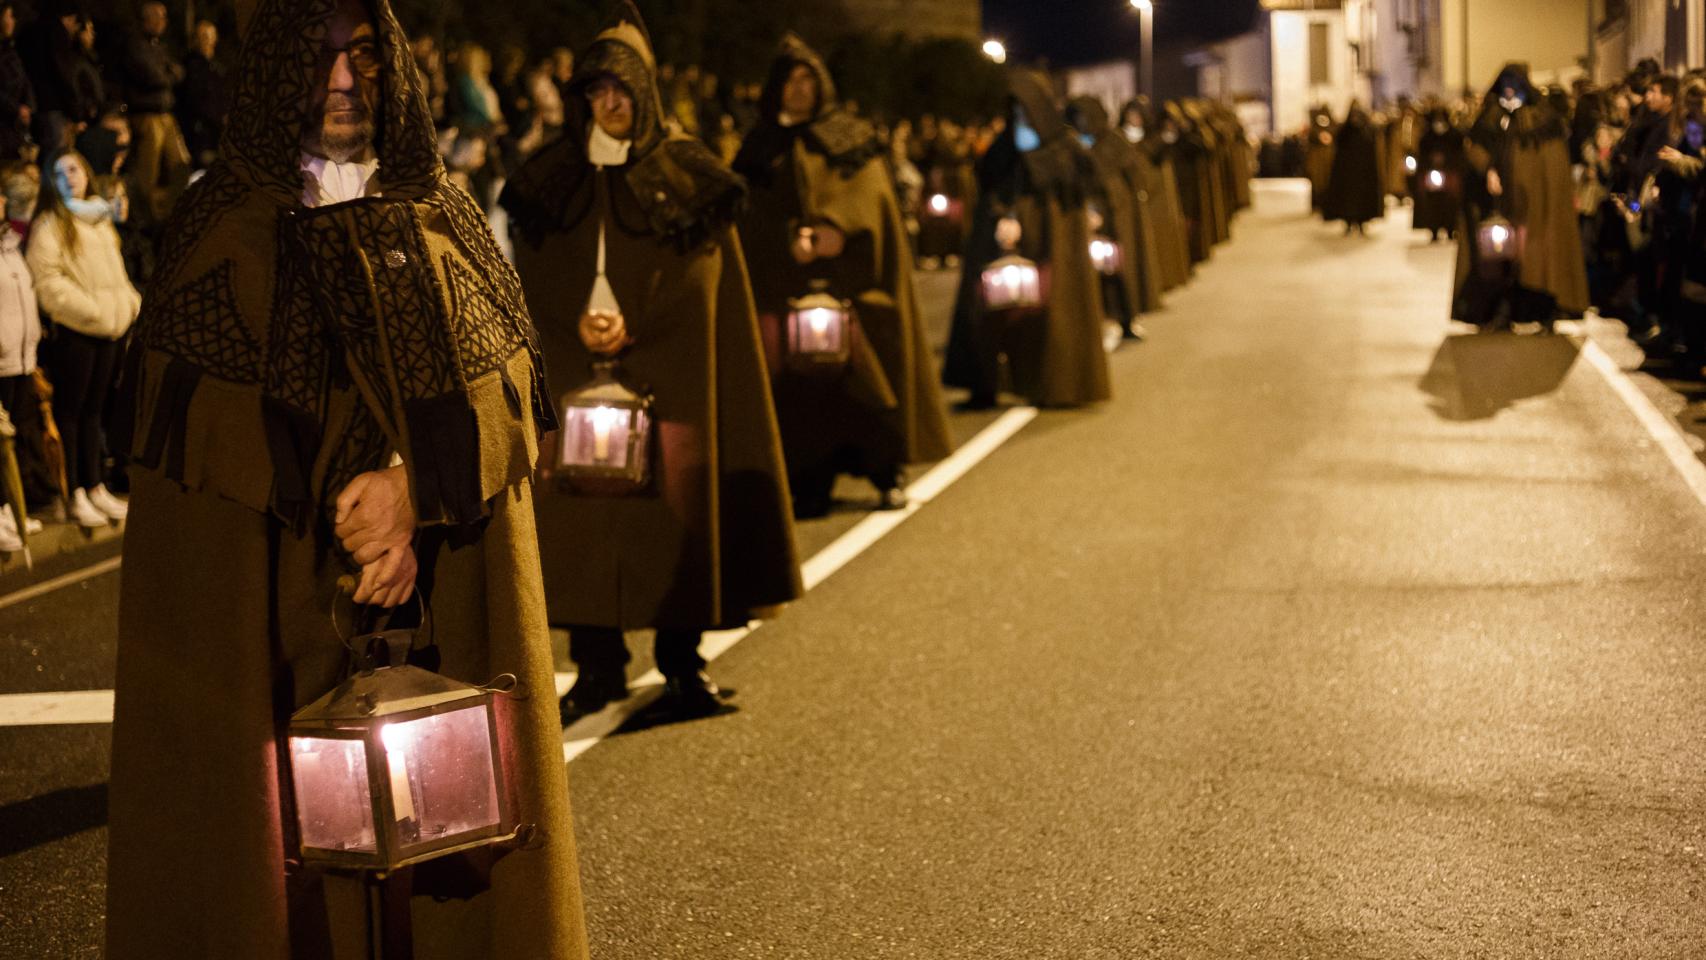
711, 543
1129, 218
1172, 236
1532, 157
1057, 358
886, 410
282, 351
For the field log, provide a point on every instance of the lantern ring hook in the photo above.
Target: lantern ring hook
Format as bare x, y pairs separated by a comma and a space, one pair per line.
346, 587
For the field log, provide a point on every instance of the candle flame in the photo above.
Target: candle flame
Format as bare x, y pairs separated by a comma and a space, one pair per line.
939, 203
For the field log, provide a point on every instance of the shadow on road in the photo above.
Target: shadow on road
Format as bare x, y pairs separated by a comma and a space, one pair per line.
37, 820
1476, 375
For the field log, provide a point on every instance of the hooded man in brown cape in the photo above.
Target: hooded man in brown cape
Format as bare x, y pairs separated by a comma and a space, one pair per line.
626, 244
1127, 217
1519, 168
1034, 187
1155, 165
823, 216
334, 376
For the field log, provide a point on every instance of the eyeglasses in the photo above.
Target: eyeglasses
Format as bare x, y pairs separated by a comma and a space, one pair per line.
364, 57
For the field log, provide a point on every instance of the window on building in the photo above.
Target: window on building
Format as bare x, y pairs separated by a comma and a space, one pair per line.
1320, 68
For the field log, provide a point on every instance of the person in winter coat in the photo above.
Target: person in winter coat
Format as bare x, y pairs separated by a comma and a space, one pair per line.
823, 216
20, 333
160, 160
335, 383
1441, 164
1520, 165
1356, 191
626, 244
1034, 188
80, 279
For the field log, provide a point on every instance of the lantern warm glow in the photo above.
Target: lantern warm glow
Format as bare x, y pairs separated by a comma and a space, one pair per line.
395, 766
1106, 255
939, 204
1410, 164
820, 331
1499, 240
1012, 283
1436, 180
604, 441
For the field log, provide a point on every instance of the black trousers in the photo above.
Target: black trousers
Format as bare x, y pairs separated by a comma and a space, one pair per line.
84, 367
602, 648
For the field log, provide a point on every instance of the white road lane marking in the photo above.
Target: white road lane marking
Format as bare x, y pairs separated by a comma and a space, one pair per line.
1663, 429
71, 579
96, 706
588, 731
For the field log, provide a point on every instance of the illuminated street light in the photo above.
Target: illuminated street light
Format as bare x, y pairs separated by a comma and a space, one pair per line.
995, 50
1143, 6
1146, 9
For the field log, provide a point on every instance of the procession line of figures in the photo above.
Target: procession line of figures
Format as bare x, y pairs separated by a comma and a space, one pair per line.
1560, 201
335, 394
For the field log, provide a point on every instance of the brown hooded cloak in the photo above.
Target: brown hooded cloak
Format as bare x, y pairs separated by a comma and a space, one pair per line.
1057, 358
281, 352
886, 409
1129, 217
711, 544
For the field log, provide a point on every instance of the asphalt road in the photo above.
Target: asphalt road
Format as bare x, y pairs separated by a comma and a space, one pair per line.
1336, 634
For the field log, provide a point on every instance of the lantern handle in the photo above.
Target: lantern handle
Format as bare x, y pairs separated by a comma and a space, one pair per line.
346, 586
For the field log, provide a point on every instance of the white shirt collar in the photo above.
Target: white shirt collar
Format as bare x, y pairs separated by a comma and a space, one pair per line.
325, 182
605, 150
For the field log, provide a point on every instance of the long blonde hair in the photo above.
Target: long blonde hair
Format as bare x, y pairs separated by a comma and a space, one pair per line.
51, 204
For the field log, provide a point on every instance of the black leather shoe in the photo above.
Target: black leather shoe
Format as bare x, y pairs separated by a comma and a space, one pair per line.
592, 692
892, 498
693, 696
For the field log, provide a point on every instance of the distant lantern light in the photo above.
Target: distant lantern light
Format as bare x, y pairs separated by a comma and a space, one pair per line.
1499, 243
1436, 180
1410, 164
1106, 255
1012, 283
397, 765
820, 331
604, 443
939, 204
995, 50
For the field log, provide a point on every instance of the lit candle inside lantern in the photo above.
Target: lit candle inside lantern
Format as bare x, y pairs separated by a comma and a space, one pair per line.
1436, 179
1500, 236
1105, 254
939, 204
603, 422
1410, 164
398, 740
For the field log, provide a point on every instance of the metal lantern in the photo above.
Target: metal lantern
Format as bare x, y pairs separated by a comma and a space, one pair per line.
1498, 240
1012, 283
604, 438
820, 330
1434, 181
940, 206
1106, 255
397, 765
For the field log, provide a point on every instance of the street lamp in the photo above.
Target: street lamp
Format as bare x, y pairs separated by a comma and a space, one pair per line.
995, 50
1147, 9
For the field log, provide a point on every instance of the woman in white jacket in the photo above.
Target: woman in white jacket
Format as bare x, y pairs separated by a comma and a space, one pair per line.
20, 333
82, 285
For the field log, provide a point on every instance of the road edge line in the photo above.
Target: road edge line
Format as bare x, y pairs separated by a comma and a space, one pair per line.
63, 580
589, 731
1660, 427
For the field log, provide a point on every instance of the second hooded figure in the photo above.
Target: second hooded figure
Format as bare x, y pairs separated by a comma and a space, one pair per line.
628, 253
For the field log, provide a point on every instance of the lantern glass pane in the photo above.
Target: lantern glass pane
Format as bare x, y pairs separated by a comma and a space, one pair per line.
334, 809
443, 783
819, 330
1011, 284
597, 436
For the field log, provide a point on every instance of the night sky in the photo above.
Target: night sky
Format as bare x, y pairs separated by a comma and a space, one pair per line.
1070, 32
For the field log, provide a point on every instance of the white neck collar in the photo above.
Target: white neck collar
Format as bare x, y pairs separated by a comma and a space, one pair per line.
605, 150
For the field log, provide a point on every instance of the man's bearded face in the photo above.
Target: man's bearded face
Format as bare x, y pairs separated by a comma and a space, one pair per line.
341, 119
800, 93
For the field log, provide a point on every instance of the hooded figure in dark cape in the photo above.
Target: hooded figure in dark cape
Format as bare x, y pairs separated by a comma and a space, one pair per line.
1442, 161
1193, 159
1156, 143
316, 317
820, 173
1318, 156
711, 543
1037, 177
1520, 169
1356, 191
1128, 218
